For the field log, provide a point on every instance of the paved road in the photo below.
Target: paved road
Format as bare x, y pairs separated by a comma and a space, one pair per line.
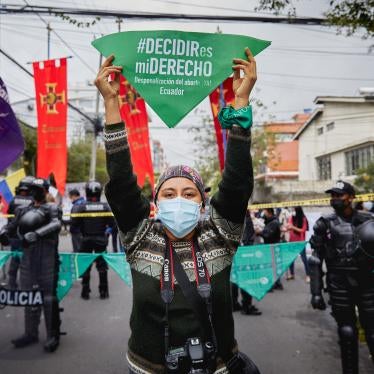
288, 338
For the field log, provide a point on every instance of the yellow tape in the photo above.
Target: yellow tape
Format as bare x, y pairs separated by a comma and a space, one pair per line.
282, 204
312, 202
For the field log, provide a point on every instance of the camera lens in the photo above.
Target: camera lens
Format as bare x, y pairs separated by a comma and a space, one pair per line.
208, 345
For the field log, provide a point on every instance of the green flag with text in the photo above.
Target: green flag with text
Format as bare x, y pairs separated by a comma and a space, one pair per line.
256, 268
72, 266
175, 70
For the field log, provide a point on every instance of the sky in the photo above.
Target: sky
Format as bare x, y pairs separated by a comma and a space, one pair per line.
303, 62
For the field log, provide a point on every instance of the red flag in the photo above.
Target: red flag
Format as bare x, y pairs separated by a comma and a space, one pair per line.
223, 95
134, 114
51, 102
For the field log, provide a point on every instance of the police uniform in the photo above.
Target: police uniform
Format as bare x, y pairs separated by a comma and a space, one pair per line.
94, 238
344, 244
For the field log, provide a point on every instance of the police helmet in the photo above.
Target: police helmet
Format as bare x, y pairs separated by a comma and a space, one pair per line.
365, 237
25, 184
93, 190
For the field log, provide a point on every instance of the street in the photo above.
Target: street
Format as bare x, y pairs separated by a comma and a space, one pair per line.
289, 337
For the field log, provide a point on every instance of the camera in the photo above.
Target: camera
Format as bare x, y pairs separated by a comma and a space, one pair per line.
195, 357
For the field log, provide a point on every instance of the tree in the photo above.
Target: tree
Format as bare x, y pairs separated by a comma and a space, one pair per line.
262, 148
365, 178
79, 157
350, 15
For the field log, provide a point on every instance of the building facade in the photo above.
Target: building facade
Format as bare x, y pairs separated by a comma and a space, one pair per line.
337, 139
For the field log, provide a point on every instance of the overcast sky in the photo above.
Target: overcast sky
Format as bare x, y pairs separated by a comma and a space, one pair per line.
303, 61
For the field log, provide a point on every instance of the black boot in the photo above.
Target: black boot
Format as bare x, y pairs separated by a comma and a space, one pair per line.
24, 341
250, 310
85, 294
51, 344
349, 349
103, 285
236, 306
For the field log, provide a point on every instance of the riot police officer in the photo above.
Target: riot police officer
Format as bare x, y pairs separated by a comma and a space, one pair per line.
345, 241
22, 199
94, 238
38, 226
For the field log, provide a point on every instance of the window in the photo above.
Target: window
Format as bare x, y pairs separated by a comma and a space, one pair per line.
320, 131
358, 158
330, 126
324, 167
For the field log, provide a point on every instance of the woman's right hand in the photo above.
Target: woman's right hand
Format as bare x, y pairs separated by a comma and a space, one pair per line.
109, 90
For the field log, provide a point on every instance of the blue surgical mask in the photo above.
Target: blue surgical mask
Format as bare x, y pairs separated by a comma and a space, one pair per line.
180, 216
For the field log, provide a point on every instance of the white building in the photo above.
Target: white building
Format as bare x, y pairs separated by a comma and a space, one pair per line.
337, 139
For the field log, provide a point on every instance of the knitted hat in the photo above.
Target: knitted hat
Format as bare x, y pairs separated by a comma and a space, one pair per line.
181, 171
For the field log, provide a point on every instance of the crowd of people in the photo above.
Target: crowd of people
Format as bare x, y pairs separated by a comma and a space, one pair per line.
181, 259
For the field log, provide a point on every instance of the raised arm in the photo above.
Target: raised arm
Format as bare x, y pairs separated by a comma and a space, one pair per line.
236, 186
124, 196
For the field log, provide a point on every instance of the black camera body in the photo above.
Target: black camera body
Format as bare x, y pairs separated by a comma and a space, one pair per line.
195, 357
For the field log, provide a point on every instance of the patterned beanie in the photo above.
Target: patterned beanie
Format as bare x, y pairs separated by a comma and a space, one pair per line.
181, 171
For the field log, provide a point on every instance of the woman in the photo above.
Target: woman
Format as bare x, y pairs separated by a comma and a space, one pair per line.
298, 226
170, 322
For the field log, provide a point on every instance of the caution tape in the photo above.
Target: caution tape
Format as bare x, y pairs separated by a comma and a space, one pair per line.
281, 204
312, 202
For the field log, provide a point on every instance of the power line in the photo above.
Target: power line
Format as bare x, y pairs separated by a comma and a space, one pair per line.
11, 8
59, 37
92, 121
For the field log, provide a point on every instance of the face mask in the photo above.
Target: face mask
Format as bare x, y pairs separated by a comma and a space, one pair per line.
368, 205
338, 205
180, 216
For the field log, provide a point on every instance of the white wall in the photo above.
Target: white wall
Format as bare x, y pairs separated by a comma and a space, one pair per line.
354, 125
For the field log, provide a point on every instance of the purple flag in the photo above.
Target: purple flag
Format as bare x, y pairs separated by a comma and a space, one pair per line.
11, 140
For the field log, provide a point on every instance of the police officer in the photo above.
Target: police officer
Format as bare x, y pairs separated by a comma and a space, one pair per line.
94, 237
38, 226
22, 199
345, 241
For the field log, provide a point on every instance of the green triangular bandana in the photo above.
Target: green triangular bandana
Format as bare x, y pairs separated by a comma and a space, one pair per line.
175, 70
256, 268
4, 255
117, 261
72, 266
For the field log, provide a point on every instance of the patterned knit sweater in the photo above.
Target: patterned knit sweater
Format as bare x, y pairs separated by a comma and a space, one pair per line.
144, 239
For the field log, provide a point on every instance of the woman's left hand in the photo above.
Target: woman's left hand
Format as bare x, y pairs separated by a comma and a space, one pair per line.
242, 87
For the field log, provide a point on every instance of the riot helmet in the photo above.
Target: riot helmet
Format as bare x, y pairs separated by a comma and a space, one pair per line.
24, 186
39, 189
93, 191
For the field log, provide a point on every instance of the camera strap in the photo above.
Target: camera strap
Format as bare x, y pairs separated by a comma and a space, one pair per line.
199, 297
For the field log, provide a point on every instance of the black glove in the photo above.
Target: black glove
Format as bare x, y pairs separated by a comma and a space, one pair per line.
318, 302
30, 237
4, 239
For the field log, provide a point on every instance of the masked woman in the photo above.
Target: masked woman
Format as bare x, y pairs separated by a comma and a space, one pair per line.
182, 318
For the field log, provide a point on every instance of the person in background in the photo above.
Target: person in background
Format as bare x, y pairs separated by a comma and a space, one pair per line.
283, 218
76, 235
94, 235
246, 307
38, 226
297, 227
344, 240
271, 235
21, 200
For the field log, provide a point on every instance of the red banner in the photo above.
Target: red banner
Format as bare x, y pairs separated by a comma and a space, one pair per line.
51, 103
134, 114
223, 95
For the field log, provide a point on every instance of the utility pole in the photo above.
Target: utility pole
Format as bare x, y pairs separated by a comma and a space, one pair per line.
94, 139
49, 29
119, 21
